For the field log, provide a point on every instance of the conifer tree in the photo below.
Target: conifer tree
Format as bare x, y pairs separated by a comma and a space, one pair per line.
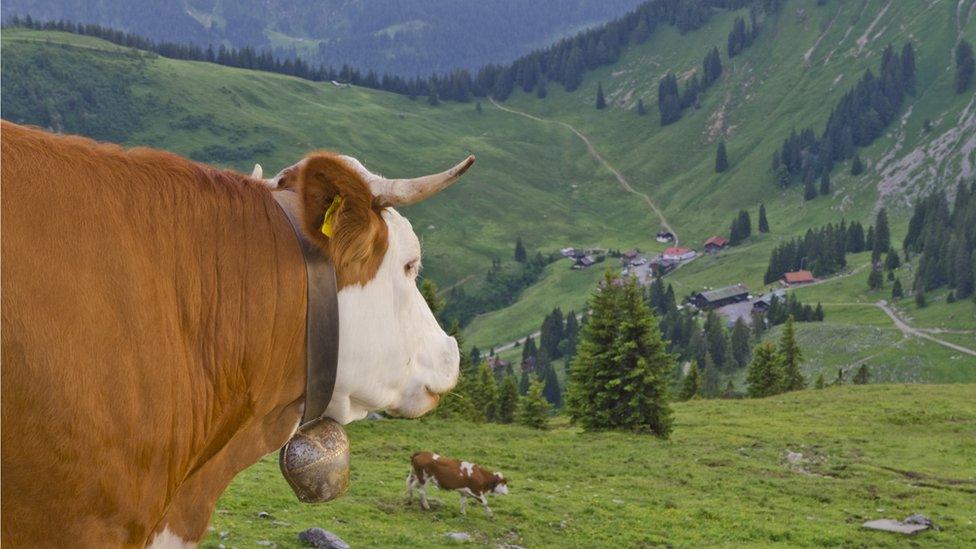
691, 384
709, 375
477, 107
920, 300
862, 377
892, 261
524, 382
790, 358
641, 110
541, 90
818, 313
857, 166
721, 158
432, 99
520, 254
763, 222
718, 342
429, 291
601, 103
485, 393
896, 290
533, 408
825, 183
908, 67
550, 386
619, 376
507, 400
965, 66
741, 351
819, 384
882, 235
809, 191
875, 280
528, 349
765, 375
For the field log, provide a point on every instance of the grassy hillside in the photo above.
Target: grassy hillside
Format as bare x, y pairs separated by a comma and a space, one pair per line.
722, 480
536, 178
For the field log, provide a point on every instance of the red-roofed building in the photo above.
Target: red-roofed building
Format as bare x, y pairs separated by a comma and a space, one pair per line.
797, 277
678, 254
715, 243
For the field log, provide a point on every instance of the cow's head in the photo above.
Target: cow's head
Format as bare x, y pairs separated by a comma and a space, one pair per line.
393, 355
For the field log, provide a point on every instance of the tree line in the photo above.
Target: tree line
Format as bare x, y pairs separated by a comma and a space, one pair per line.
859, 117
944, 240
565, 62
821, 251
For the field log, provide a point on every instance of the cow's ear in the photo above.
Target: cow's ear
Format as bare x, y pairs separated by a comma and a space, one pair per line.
338, 214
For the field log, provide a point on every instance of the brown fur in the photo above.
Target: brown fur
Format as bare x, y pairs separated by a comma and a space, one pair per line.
153, 314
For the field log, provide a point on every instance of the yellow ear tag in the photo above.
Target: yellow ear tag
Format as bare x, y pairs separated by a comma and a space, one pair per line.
330, 216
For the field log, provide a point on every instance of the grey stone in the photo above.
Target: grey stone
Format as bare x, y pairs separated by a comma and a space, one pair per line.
321, 539
459, 536
920, 520
264, 514
374, 416
889, 525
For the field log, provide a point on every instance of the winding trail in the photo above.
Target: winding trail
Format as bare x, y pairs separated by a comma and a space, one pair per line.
595, 154
908, 330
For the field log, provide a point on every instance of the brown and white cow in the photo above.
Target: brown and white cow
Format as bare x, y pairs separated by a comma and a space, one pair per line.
153, 329
466, 478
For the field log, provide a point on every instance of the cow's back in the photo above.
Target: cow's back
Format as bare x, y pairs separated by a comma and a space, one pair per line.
112, 263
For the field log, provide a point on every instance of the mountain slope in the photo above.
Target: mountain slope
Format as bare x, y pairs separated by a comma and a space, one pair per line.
388, 36
537, 179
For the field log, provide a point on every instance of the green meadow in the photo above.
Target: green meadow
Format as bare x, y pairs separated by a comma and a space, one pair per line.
723, 479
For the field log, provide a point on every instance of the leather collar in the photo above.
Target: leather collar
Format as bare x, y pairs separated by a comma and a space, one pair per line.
321, 315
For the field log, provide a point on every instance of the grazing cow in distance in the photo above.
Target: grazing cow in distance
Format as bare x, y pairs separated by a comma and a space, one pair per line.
154, 319
466, 478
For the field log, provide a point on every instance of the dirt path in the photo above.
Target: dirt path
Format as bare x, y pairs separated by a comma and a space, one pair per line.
465, 280
595, 154
908, 330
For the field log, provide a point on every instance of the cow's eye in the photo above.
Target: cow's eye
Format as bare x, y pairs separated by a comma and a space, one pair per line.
410, 268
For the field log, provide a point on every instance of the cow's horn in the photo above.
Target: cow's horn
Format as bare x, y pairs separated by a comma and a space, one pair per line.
258, 172
403, 192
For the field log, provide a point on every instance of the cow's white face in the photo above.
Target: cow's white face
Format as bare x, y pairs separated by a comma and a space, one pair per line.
393, 355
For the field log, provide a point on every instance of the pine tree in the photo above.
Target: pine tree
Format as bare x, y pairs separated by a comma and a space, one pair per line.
882, 235
529, 349
896, 290
965, 66
507, 400
485, 394
765, 375
908, 67
601, 103
477, 107
763, 222
721, 158
741, 351
920, 300
432, 99
857, 166
892, 261
875, 279
533, 408
429, 290
809, 191
550, 386
818, 313
619, 376
520, 254
819, 384
825, 183
541, 91
862, 377
718, 342
790, 358
641, 110
524, 382
691, 384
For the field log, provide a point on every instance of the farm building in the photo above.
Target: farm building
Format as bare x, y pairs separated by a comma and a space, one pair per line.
584, 262
715, 243
797, 277
568, 252
721, 296
630, 254
761, 305
665, 236
677, 254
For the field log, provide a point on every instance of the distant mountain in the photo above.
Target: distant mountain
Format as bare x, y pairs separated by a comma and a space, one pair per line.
405, 37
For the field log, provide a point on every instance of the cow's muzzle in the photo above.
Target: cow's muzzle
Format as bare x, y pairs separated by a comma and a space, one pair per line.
315, 462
